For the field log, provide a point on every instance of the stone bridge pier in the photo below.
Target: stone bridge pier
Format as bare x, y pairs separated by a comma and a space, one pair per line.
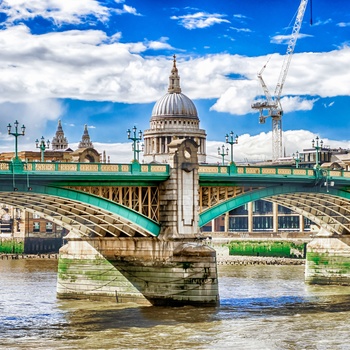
328, 259
175, 268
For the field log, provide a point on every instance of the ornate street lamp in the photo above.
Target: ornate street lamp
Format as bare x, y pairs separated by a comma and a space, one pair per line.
222, 152
317, 146
42, 145
16, 134
133, 137
232, 140
296, 157
139, 148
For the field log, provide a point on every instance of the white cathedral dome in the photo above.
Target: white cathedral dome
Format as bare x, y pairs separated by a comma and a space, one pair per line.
174, 103
174, 117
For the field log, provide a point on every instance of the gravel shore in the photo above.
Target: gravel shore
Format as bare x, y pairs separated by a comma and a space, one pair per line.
28, 256
221, 260
257, 260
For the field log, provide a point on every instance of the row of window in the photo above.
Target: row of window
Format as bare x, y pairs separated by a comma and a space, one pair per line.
260, 207
48, 227
179, 122
265, 223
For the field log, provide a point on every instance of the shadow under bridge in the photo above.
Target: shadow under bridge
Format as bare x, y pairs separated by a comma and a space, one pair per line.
327, 207
81, 213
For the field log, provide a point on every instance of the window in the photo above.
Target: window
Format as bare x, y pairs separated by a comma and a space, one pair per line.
49, 227
36, 226
238, 223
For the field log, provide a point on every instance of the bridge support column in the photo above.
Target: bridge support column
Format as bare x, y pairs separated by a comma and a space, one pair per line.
175, 268
328, 260
250, 217
301, 223
275, 217
140, 270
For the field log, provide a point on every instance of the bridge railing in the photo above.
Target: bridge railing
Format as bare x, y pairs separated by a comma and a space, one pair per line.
233, 170
83, 167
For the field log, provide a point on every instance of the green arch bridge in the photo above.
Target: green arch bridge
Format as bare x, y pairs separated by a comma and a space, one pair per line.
123, 199
134, 228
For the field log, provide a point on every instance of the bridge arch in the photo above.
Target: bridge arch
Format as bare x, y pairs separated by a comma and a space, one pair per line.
81, 213
327, 207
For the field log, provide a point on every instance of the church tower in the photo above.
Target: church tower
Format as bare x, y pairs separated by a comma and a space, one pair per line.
85, 140
59, 142
174, 117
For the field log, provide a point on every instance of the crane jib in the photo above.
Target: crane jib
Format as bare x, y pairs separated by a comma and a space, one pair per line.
272, 103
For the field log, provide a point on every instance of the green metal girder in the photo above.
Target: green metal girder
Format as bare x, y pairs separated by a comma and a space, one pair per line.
95, 201
238, 201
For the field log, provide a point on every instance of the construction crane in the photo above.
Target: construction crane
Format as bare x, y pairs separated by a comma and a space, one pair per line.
272, 103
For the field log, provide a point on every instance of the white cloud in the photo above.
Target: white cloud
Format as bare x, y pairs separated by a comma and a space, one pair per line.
343, 24
239, 16
127, 9
290, 104
87, 65
328, 105
284, 39
257, 148
236, 99
161, 44
321, 23
200, 20
245, 30
57, 11
33, 116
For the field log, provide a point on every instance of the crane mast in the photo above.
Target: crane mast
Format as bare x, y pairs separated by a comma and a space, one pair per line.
272, 103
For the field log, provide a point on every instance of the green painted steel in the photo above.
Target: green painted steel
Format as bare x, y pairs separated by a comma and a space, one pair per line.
126, 213
49, 178
238, 201
85, 174
98, 202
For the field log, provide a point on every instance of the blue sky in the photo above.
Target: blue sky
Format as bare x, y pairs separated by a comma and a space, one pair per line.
105, 64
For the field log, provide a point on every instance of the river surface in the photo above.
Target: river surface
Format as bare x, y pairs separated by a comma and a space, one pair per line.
262, 307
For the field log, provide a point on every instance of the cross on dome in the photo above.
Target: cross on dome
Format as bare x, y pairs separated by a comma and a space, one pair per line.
174, 79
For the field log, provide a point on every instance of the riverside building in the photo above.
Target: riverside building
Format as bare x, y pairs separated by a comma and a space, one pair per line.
28, 231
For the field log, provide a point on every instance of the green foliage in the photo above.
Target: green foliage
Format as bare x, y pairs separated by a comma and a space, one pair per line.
283, 249
11, 246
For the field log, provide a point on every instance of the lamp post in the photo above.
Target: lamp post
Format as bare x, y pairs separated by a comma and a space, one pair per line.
232, 140
296, 157
222, 152
135, 138
42, 145
317, 146
16, 134
139, 148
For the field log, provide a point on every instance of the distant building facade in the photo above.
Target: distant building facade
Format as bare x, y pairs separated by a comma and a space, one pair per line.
41, 235
60, 151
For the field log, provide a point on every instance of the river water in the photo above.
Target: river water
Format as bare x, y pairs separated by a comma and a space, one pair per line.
262, 307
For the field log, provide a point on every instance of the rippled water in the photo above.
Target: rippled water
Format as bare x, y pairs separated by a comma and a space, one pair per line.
262, 307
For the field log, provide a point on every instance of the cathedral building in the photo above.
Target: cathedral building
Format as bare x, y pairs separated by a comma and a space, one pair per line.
59, 141
174, 116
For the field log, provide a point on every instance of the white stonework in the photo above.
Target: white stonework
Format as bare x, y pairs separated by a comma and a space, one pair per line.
174, 117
